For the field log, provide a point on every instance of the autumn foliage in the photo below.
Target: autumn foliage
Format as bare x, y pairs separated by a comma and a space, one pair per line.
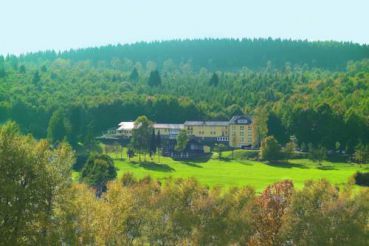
40, 206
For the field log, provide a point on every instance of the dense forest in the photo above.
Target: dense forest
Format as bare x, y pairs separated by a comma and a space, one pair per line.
315, 91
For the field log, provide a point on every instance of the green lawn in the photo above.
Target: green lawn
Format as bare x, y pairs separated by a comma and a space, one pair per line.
228, 173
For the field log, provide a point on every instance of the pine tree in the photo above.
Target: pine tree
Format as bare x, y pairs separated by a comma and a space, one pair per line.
154, 79
2, 67
134, 75
214, 81
152, 144
158, 145
36, 77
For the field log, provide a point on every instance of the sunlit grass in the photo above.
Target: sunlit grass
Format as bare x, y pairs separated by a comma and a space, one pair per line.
228, 173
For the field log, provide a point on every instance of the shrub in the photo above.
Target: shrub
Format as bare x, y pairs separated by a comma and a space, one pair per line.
362, 178
128, 179
270, 149
246, 154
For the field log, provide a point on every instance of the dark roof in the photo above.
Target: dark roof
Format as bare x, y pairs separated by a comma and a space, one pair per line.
240, 119
206, 123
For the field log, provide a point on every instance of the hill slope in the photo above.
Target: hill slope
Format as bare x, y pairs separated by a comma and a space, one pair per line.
222, 54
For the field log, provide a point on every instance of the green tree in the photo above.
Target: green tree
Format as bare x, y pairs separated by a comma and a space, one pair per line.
361, 154
34, 179
233, 142
260, 129
134, 75
130, 152
182, 140
59, 127
22, 69
153, 146
289, 149
141, 136
270, 149
97, 171
214, 80
2, 67
154, 79
158, 145
36, 77
317, 154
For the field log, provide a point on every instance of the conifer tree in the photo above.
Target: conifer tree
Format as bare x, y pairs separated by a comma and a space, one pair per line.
214, 80
134, 75
154, 79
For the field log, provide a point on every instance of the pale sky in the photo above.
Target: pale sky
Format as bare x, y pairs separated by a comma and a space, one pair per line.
33, 25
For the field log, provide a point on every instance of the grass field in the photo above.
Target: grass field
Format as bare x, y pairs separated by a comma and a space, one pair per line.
228, 173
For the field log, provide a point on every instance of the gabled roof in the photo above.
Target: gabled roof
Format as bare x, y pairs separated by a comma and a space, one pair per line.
206, 123
241, 119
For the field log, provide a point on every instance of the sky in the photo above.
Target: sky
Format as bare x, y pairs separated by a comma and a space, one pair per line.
34, 25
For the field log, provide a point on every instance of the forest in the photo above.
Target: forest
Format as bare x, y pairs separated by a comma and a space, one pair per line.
53, 105
291, 88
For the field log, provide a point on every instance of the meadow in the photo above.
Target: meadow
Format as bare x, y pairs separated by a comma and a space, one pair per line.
229, 172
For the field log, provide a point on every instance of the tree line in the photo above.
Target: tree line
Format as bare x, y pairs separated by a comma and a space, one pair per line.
218, 54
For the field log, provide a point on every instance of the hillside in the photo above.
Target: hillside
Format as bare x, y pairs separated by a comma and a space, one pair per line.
302, 91
219, 54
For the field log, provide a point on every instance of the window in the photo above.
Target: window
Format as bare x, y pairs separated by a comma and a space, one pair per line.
242, 128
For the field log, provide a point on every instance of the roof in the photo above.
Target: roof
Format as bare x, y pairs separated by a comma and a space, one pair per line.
206, 123
128, 125
241, 119
168, 126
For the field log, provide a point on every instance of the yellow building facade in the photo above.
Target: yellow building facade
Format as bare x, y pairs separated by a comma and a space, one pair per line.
216, 130
236, 133
240, 132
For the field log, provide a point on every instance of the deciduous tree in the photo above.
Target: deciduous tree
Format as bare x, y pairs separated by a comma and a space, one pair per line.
270, 149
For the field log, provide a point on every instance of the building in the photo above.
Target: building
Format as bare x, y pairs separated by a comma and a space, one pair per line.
208, 131
169, 131
240, 131
236, 133
125, 129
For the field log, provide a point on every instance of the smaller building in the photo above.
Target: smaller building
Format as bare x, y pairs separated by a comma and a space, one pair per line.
125, 128
169, 131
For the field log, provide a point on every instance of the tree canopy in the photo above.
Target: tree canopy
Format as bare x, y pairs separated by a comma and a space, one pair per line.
293, 91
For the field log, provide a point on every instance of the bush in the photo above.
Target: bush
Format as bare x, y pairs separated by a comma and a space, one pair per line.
270, 149
246, 154
362, 178
128, 179
80, 162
